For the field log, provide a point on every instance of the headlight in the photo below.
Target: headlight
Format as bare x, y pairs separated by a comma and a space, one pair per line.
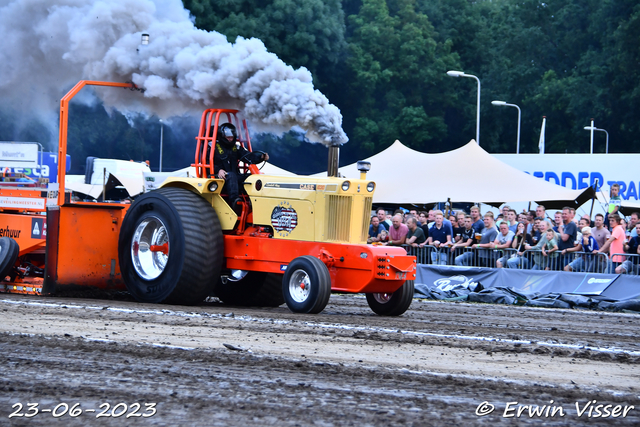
371, 186
213, 186
346, 185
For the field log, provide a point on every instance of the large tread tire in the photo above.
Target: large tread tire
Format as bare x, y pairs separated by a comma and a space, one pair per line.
256, 289
314, 275
393, 304
195, 245
9, 250
270, 294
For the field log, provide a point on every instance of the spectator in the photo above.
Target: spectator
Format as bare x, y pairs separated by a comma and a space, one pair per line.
431, 218
439, 235
633, 221
557, 220
600, 232
489, 234
630, 266
567, 236
538, 260
535, 232
467, 236
541, 212
478, 223
511, 219
582, 223
374, 230
382, 217
505, 213
520, 240
550, 250
397, 232
457, 227
615, 201
589, 246
413, 213
422, 217
461, 216
503, 241
572, 212
588, 218
384, 237
615, 243
446, 222
524, 218
415, 235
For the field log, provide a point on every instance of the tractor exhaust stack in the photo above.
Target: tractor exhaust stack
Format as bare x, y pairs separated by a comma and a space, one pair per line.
334, 158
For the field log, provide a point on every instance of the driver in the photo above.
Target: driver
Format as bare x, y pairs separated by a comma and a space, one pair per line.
226, 157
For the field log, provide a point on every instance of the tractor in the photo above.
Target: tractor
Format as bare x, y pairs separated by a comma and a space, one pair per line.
288, 239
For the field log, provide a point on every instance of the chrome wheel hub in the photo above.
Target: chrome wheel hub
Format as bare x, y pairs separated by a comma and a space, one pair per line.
150, 248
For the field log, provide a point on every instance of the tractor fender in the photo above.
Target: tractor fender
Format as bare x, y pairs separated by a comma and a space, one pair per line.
200, 186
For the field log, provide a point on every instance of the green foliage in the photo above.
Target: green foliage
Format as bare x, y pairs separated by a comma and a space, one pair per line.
395, 67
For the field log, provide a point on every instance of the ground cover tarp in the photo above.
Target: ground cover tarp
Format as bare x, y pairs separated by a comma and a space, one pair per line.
529, 287
467, 174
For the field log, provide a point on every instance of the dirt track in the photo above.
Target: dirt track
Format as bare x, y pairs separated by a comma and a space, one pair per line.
435, 365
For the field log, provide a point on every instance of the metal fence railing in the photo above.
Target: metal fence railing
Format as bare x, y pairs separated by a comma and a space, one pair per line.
630, 264
529, 259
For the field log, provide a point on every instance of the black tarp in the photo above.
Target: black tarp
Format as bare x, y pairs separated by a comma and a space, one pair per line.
529, 287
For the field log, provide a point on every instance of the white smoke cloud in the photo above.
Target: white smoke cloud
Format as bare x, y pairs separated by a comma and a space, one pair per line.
183, 70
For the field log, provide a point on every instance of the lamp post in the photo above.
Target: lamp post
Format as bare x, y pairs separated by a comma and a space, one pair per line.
592, 128
462, 74
161, 140
502, 103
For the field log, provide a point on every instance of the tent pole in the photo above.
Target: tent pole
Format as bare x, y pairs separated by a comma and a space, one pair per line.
593, 200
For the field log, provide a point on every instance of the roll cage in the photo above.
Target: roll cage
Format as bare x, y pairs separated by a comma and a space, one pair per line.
204, 157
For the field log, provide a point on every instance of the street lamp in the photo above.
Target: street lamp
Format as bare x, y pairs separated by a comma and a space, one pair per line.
593, 128
502, 103
161, 140
462, 74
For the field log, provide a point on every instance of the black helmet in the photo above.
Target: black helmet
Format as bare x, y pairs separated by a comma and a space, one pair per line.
227, 130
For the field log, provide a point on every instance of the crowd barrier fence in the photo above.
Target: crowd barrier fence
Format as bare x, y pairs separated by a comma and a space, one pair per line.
529, 259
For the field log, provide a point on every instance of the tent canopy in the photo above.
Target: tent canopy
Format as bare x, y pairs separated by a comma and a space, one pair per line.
468, 174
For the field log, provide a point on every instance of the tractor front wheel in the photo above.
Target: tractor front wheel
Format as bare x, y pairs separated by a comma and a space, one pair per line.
392, 304
306, 285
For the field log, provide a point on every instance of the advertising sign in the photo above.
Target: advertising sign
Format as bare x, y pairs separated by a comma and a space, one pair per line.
577, 171
18, 154
48, 170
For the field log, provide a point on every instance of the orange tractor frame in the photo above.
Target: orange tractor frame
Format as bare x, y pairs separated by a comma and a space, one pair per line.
296, 239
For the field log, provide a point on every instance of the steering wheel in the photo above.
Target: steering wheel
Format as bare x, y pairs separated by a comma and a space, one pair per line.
242, 159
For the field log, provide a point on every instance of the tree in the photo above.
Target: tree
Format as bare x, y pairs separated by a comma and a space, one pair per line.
395, 73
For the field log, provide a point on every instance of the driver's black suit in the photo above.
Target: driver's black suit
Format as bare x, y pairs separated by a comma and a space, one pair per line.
227, 158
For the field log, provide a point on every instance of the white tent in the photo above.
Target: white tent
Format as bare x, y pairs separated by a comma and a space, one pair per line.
467, 174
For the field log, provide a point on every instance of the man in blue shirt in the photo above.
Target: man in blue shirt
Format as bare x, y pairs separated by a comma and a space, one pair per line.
478, 224
374, 230
440, 237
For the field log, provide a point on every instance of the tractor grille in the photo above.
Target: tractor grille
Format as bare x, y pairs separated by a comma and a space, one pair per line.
338, 218
366, 219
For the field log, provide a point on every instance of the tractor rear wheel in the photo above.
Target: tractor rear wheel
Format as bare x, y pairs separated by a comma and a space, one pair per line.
306, 285
392, 304
256, 289
170, 247
9, 250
